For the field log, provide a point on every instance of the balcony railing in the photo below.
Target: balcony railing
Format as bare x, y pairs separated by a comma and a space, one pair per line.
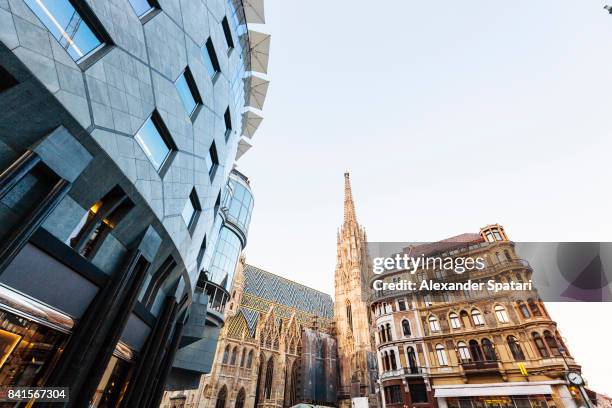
480, 365
402, 372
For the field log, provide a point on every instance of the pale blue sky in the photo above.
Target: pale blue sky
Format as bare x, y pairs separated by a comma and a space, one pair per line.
450, 116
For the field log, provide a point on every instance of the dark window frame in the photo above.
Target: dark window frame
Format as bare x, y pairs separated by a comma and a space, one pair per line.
195, 93
215, 160
166, 136
227, 32
7, 80
197, 210
212, 56
149, 14
227, 118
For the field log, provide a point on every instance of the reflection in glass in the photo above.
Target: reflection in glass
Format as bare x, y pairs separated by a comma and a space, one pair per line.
188, 212
141, 7
210, 58
153, 144
112, 386
225, 257
67, 26
28, 350
212, 160
185, 86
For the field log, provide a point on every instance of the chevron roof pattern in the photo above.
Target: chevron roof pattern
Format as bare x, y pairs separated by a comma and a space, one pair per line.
277, 289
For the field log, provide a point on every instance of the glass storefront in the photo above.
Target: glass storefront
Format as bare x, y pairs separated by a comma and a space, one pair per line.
112, 386
518, 401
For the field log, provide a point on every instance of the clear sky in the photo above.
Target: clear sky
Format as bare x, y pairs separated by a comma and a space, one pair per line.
449, 115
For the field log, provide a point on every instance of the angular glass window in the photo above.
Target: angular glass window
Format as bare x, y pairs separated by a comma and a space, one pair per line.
210, 58
187, 90
155, 141
191, 210
69, 26
227, 117
212, 161
6, 80
143, 7
228, 34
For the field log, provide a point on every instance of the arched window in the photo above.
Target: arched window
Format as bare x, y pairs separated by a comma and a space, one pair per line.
434, 324
393, 362
441, 354
488, 350
501, 314
464, 353
475, 350
250, 359
226, 355
477, 318
537, 339
515, 349
386, 364
533, 306
234, 355
240, 399
524, 309
268, 382
383, 336
412, 363
406, 327
465, 318
243, 357
454, 320
221, 397
551, 342
349, 314
389, 337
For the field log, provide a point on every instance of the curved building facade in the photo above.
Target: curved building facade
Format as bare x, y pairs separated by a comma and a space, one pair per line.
120, 125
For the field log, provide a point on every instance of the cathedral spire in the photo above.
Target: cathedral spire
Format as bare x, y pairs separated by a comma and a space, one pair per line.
349, 206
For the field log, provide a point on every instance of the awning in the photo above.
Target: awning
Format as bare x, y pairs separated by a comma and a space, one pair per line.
484, 391
250, 123
258, 91
260, 51
254, 11
243, 146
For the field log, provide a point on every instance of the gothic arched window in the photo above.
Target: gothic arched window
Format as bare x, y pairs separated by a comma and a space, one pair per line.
454, 320
240, 399
412, 363
537, 339
388, 328
221, 397
475, 350
464, 353
406, 327
515, 349
477, 318
234, 355
268, 382
392, 358
226, 355
349, 314
524, 309
552, 344
488, 350
441, 354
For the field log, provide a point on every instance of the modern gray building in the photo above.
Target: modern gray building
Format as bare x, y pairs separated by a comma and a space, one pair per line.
121, 213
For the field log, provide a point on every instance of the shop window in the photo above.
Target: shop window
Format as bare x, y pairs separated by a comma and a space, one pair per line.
418, 392
28, 350
111, 389
102, 217
72, 24
393, 394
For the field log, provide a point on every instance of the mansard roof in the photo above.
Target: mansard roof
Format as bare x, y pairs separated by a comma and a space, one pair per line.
277, 289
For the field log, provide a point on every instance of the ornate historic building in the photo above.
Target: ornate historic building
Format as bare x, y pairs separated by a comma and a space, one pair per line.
358, 369
276, 349
467, 348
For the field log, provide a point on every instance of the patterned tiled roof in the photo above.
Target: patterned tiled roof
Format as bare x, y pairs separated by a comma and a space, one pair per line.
283, 291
